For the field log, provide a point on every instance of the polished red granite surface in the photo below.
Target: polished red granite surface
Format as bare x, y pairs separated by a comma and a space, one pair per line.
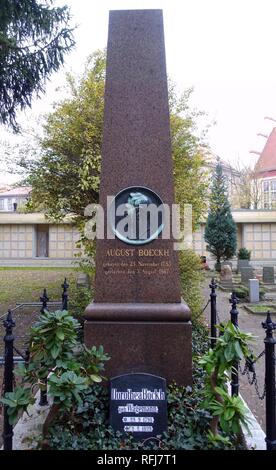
136, 151
137, 314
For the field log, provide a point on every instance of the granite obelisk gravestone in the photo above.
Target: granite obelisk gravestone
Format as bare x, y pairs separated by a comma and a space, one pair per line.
137, 314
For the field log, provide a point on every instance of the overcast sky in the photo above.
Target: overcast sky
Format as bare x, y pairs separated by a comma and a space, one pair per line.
225, 49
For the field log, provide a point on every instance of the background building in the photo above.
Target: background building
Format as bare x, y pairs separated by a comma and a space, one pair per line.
256, 231
13, 199
265, 173
31, 240
256, 225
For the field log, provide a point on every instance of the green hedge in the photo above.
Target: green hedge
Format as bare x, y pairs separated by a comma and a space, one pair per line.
191, 276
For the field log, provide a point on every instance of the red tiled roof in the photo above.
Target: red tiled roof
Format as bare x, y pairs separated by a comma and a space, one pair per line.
265, 174
267, 159
20, 191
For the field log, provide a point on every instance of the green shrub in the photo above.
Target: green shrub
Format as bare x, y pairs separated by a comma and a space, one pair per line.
58, 357
80, 412
228, 411
81, 297
200, 339
89, 429
191, 277
17, 402
242, 292
243, 253
262, 293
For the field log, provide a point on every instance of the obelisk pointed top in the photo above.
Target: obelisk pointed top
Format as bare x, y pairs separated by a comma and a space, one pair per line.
136, 153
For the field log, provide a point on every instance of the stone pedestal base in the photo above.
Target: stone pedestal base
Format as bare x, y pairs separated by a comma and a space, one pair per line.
158, 347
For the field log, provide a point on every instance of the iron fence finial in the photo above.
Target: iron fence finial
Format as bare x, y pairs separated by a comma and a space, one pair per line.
213, 284
44, 299
64, 296
65, 284
268, 324
9, 323
234, 299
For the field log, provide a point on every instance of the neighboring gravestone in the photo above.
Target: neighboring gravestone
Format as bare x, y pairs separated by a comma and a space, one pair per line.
246, 274
242, 263
83, 280
254, 290
138, 315
138, 405
268, 274
227, 263
226, 276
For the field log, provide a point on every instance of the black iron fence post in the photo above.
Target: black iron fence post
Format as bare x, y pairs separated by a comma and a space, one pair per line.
44, 299
269, 341
213, 298
8, 378
235, 372
65, 287
43, 392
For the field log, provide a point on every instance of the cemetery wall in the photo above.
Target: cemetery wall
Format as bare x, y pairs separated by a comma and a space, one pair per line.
16, 241
256, 231
18, 233
37, 243
62, 241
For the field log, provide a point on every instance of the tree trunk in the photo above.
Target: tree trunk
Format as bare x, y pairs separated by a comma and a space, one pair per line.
218, 266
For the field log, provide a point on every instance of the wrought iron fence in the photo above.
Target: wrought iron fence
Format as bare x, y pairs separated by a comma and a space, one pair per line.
269, 388
9, 359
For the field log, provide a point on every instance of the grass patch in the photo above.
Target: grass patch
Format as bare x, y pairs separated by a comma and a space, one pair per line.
17, 285
263, 308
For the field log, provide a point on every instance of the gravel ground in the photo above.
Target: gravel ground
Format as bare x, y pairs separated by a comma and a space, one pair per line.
249, 323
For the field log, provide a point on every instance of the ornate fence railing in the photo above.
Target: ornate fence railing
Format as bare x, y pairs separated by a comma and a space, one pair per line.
269, 387
9, 359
